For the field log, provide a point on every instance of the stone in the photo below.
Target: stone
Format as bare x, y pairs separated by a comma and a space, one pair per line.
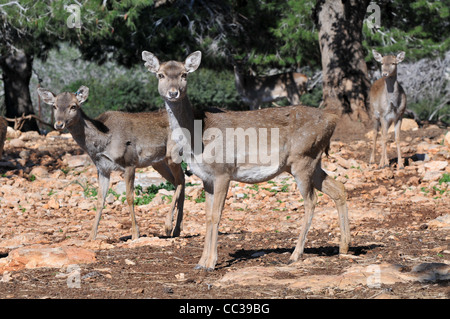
447, 139
440, 222
148, 241
372, 276
12, 133
39, 172
77, 160
407, 125
37, 256
436, 165
17, 143
430, 176
22, 240
30, 135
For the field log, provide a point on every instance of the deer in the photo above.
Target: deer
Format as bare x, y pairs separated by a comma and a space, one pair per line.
303, 136
388, 103
256, 90
121, 141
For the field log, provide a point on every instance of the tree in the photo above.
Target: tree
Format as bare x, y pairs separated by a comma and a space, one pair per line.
29, 29
345, 78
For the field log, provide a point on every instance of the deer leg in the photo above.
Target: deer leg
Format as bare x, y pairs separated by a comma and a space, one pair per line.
214, 212
129, 181
374, 144
336, 191
173, 174
103, 185
220, 193
209, 199
178, 201
305, 185
384, 135
397, 143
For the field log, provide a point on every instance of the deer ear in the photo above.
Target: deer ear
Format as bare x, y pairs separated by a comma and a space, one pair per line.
400, 56
377, 56
193, 61
47, 96
82, 94
151, 61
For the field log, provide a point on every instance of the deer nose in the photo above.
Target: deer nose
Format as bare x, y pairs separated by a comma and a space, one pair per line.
385, 74
59, 125
173, 93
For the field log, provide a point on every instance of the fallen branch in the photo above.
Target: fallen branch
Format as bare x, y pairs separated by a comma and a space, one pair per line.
20, 121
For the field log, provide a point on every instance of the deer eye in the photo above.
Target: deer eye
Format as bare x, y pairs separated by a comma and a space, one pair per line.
184, 75
54, 107
160, 76
73, 107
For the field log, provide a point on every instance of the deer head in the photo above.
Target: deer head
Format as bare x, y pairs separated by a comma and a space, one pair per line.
66, 105
172, 75
388, 63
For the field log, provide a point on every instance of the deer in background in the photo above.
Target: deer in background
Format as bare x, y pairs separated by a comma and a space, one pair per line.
125, 141
388, 103
303, 136
257, 90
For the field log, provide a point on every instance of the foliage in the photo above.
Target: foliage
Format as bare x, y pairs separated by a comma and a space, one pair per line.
420, 27
207, 88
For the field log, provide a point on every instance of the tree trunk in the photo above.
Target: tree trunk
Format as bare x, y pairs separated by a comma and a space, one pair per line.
16, 67
345, 80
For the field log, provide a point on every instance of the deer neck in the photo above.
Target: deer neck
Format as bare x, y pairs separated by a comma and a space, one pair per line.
391, 82
181, 116
84, 131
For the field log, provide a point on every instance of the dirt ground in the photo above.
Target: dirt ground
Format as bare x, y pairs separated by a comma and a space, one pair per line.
392, 213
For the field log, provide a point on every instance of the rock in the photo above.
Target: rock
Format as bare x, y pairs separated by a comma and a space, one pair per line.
53, 133
28, 136
77, 160
447, 139
37, 256
17, 143
436, 165
12, 133
53, 203
407, 125
39, 172
440, 222
432, 176
148, 241
373, 276
22, 240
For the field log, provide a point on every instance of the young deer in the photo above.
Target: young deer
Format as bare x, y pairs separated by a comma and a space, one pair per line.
256, 90
300, 136
125, 141
388, 103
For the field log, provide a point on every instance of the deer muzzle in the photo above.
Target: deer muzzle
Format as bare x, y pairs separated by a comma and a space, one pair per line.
59, 125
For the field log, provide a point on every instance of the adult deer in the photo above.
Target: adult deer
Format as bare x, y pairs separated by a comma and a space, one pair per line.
120, 141
388, 103
299, 135
257, 90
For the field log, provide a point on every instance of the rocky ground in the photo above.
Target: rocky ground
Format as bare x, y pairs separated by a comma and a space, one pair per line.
400, 228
